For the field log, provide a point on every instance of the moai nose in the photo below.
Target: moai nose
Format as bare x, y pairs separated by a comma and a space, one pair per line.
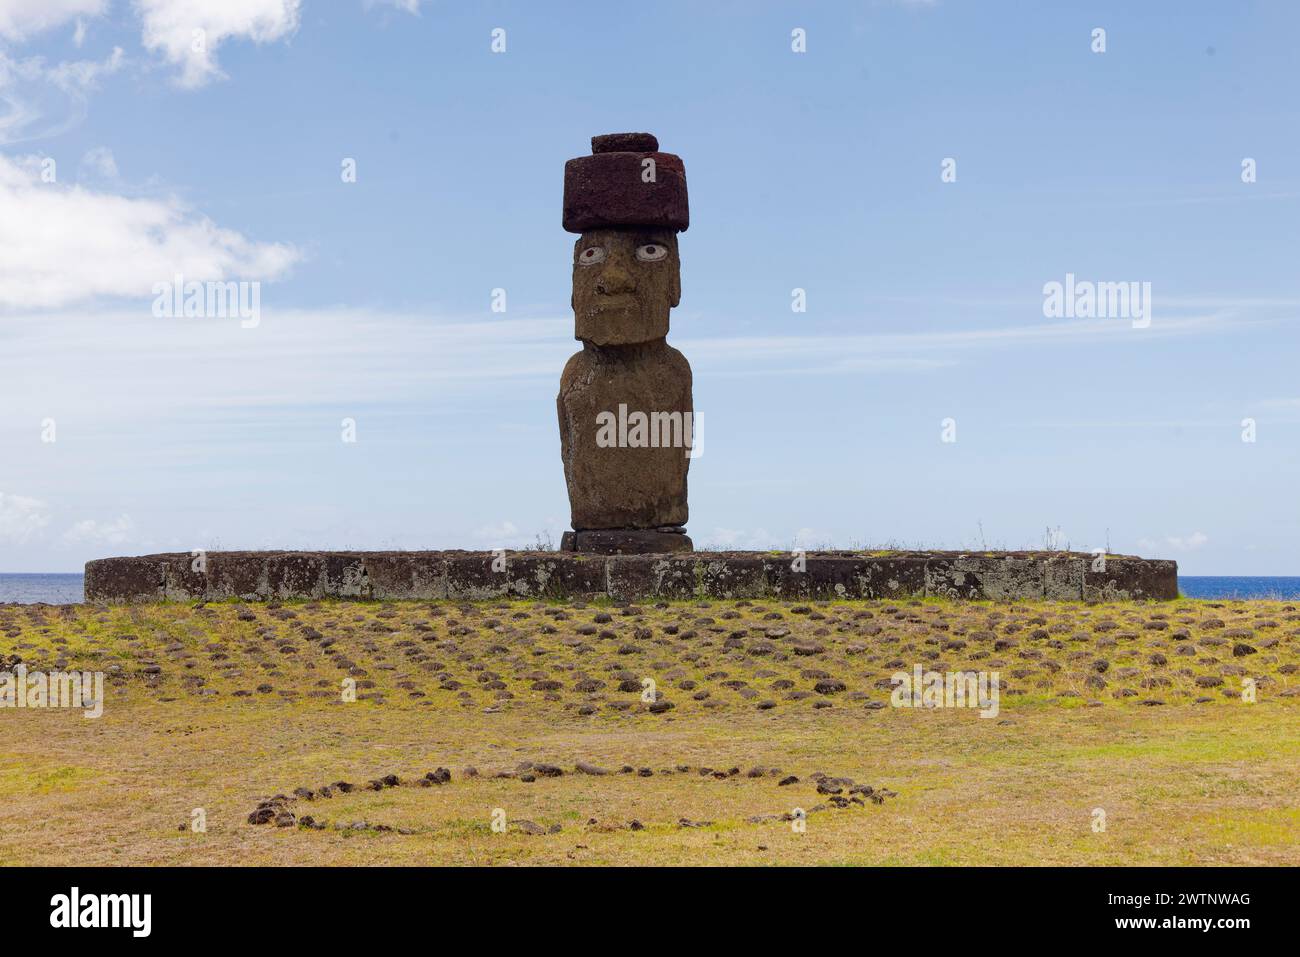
615, 279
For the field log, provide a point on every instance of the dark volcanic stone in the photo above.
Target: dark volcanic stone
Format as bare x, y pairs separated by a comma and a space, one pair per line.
607, 188
626, 542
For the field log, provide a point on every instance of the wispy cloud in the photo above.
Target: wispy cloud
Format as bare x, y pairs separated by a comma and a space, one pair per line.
184, 33
409, 6
302, 358
913, 350
98, 162
41, 100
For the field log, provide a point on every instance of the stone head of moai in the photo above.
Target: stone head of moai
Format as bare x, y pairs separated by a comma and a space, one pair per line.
626, 417
628, 202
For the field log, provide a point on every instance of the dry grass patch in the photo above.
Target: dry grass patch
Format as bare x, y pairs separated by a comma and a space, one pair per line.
223, 706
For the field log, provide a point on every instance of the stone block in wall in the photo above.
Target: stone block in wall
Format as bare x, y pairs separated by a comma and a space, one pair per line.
1127, 579
981, 577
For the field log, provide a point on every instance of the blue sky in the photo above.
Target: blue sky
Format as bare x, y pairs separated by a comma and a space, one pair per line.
818, 170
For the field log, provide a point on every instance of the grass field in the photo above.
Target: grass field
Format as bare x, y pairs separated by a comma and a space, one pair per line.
1134, 711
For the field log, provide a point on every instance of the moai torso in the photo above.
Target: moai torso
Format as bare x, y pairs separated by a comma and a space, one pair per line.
642, 483
627, 423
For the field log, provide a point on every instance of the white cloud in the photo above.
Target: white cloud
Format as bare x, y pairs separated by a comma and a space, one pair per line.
1177, 543
20, 19
188, 32
21, 517
61, 245
92, 532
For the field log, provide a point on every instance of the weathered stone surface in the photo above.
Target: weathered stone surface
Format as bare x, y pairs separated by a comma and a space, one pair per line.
980, 578
549, 576
229, 576
738, 575
479, 575
840, 575
893, 577
632, 577
619, 485
181, 577
1130, 578
622, 296
404, 575
626, 541
1063, 579
347, 576
126, 579
625, 143
297, 573
612, 186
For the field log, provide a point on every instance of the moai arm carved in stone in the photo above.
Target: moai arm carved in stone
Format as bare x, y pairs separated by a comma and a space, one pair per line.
625, 410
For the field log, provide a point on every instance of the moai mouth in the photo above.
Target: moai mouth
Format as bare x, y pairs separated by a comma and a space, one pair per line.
627, 487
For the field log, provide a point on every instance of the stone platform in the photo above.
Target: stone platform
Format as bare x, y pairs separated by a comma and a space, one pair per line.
627, 541
460, 575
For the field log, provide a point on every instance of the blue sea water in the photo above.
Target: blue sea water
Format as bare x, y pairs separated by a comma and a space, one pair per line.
29, 588
67, 589
1236, 586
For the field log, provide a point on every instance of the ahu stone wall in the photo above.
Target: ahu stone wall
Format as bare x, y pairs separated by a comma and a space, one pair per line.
462, 575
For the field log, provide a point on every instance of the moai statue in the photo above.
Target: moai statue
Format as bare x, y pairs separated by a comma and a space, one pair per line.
627, 426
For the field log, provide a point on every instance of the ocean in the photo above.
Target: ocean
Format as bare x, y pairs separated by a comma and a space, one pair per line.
29, 588
67, 589
1237, 586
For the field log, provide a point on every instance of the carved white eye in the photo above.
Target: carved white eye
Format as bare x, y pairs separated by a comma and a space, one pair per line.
591, 256
651, 252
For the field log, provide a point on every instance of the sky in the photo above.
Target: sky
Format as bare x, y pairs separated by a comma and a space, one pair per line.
922, 171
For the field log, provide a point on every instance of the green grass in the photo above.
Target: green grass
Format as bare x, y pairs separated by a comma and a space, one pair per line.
1209, 782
